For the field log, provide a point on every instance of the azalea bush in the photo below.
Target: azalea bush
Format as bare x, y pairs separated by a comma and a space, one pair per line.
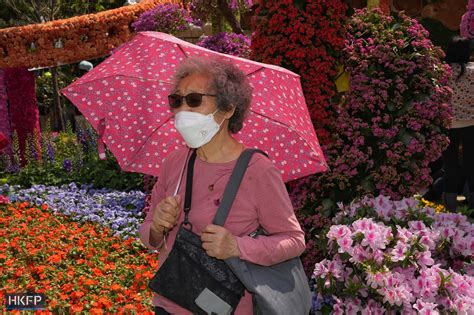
227, 43
122, 212
79, 267
392, 257
166, 18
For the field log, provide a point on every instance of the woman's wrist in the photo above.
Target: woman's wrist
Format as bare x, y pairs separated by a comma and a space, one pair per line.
156, 235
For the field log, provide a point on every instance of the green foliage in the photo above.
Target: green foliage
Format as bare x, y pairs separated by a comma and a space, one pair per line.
44, 92
63, 158
21, 12
44, 89
107, 173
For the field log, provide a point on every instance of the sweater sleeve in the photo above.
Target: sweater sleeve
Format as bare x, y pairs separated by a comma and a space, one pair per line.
157, 194
284, 237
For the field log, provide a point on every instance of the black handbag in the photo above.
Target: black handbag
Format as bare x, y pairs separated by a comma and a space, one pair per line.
191, 278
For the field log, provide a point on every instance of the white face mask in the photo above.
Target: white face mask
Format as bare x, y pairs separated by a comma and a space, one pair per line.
196, 129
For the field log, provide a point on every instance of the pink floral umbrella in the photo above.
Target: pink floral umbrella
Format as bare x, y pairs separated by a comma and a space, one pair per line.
125, 100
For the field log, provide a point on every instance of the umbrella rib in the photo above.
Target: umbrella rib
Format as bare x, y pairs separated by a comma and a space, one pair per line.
255, 71
182, 50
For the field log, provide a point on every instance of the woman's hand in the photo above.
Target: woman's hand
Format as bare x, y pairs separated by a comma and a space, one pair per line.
218, 242
166, 214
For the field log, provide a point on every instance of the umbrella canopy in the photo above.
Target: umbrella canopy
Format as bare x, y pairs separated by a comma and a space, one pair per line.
125, 100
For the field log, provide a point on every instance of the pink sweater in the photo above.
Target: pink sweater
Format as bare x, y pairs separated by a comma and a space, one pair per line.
262, 200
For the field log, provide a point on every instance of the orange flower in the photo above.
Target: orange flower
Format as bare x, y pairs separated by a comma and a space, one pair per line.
53, 303
96, 310
115, 246
54, 259
90, 282
77, 294
76, 308
115, 287
109, 267
130, 307
106, 302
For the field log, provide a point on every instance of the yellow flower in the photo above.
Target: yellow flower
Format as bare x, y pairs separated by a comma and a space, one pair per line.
439, 208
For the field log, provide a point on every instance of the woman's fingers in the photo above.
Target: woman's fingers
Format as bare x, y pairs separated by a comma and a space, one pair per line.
173, 201
167, 213
167, 225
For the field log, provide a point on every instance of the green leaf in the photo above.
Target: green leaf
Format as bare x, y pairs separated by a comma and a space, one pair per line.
396, 26
368, 185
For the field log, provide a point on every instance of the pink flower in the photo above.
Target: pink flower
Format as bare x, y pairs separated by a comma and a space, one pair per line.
426, 285
377, 279
359, 254
376, 236
373, 308
338, 231
4, 200
338, 307
426, 308
417, 226
384, 207
353, 306
399, 251
424, 259
345, 244
329, 268
320, 269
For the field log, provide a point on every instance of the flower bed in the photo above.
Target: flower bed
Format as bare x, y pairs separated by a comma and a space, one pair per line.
81, 268
65, 157
119, 211
388, 256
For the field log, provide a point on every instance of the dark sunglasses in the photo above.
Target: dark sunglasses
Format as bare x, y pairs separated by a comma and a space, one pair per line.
192, 99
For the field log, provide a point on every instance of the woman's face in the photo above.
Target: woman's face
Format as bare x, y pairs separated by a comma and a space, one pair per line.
196, 83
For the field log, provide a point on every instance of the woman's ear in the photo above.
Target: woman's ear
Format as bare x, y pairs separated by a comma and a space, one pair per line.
230, 113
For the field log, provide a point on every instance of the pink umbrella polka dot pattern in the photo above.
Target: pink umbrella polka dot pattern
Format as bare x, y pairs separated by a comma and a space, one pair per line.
128, 92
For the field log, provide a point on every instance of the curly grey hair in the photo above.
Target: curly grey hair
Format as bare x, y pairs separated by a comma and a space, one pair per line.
228, 82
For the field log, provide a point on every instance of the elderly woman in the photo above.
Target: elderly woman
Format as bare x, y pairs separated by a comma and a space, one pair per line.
210, 100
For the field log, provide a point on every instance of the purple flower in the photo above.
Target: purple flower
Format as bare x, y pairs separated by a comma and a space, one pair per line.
166, 18
67, 165
50, 153
227, 43
121, 211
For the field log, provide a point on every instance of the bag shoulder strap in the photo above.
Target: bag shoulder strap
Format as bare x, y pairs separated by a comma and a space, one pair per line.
189, 189
233, 185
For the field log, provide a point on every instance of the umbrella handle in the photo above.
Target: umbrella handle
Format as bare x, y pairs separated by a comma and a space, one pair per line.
181, 175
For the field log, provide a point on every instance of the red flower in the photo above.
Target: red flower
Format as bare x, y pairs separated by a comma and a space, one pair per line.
307, 41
